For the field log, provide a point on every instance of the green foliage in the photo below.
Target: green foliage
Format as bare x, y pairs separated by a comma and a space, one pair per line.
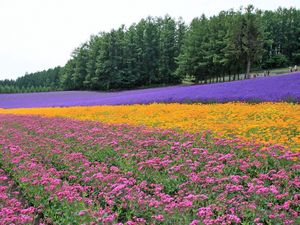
143, 54
222, 45
283, 35
162, 51
47, 80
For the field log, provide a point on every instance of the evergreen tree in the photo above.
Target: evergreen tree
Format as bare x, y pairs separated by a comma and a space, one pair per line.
160, 50
252, 43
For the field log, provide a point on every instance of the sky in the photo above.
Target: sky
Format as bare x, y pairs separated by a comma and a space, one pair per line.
39, 34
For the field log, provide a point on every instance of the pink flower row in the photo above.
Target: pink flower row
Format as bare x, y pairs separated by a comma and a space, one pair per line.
12, 210
132, 175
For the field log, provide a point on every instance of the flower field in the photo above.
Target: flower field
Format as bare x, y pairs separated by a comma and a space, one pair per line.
274, 123
274, 89
84, 172
161, 163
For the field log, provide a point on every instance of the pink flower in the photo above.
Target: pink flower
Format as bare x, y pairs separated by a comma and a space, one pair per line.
286, 205
256, 220
114, 169
194, 222
72, 177
272, 216
235, 178
158, 217
274, 190
28, 210
3, 178
185, 204
82, 213
286, 222
234, 218
109, 218
232, 188
263, 190
205, 212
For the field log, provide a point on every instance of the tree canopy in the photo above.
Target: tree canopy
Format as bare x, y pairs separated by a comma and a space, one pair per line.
163, 50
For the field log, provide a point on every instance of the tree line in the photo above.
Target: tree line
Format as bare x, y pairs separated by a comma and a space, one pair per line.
47, 80
164, 51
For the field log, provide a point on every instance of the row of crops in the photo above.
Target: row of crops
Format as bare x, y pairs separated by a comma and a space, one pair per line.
160, 163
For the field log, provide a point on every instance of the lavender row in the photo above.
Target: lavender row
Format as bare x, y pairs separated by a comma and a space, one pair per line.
278, 88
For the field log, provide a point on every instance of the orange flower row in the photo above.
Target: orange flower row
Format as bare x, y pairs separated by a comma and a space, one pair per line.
276, 123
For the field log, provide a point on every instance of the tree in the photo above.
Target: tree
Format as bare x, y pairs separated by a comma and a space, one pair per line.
167, 51
66, 73
192, 59
162, 50
252, 42
80, 70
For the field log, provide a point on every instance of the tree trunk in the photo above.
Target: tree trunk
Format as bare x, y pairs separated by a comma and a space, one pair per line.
248, 67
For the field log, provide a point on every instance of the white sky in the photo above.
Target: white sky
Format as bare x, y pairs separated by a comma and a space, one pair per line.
40, 34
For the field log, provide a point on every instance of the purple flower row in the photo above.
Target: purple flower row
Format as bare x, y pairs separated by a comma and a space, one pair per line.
277, 88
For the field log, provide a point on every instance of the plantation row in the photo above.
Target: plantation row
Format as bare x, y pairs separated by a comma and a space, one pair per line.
73, 172
158, 51
268, 123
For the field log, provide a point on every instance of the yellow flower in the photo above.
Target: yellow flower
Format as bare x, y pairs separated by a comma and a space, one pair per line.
277, 123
